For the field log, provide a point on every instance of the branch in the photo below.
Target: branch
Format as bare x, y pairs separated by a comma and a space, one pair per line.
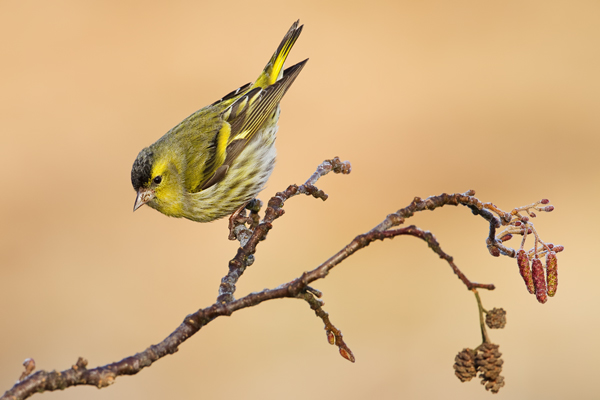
250, 231
250, 237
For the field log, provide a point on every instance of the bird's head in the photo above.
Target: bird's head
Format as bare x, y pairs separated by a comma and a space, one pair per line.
155, 179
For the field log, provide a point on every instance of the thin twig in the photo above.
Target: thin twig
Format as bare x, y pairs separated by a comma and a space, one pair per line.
244, 257
334, 335
484, 335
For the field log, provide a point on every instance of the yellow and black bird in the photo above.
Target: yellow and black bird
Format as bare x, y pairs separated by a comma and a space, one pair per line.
221, 156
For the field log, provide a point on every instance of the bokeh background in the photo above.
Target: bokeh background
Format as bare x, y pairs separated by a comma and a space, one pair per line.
422, 98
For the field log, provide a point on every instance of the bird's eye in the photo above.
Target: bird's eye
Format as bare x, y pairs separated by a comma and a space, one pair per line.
157, 180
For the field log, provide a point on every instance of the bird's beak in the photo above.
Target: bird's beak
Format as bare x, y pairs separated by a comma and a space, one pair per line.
144, 195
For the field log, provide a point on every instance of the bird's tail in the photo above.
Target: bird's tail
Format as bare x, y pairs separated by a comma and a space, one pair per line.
274, 68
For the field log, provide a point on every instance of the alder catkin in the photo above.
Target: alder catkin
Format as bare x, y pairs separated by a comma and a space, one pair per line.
525, 270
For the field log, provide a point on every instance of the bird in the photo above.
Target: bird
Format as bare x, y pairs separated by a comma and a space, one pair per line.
219, 158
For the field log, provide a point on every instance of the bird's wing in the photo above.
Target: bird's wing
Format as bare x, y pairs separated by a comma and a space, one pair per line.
241, 121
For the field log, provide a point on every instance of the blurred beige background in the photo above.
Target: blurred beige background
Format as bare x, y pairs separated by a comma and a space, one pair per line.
421, 97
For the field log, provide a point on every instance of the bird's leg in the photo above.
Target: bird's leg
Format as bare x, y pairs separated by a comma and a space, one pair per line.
237, 218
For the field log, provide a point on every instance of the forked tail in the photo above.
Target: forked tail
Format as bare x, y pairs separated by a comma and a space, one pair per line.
274, 68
